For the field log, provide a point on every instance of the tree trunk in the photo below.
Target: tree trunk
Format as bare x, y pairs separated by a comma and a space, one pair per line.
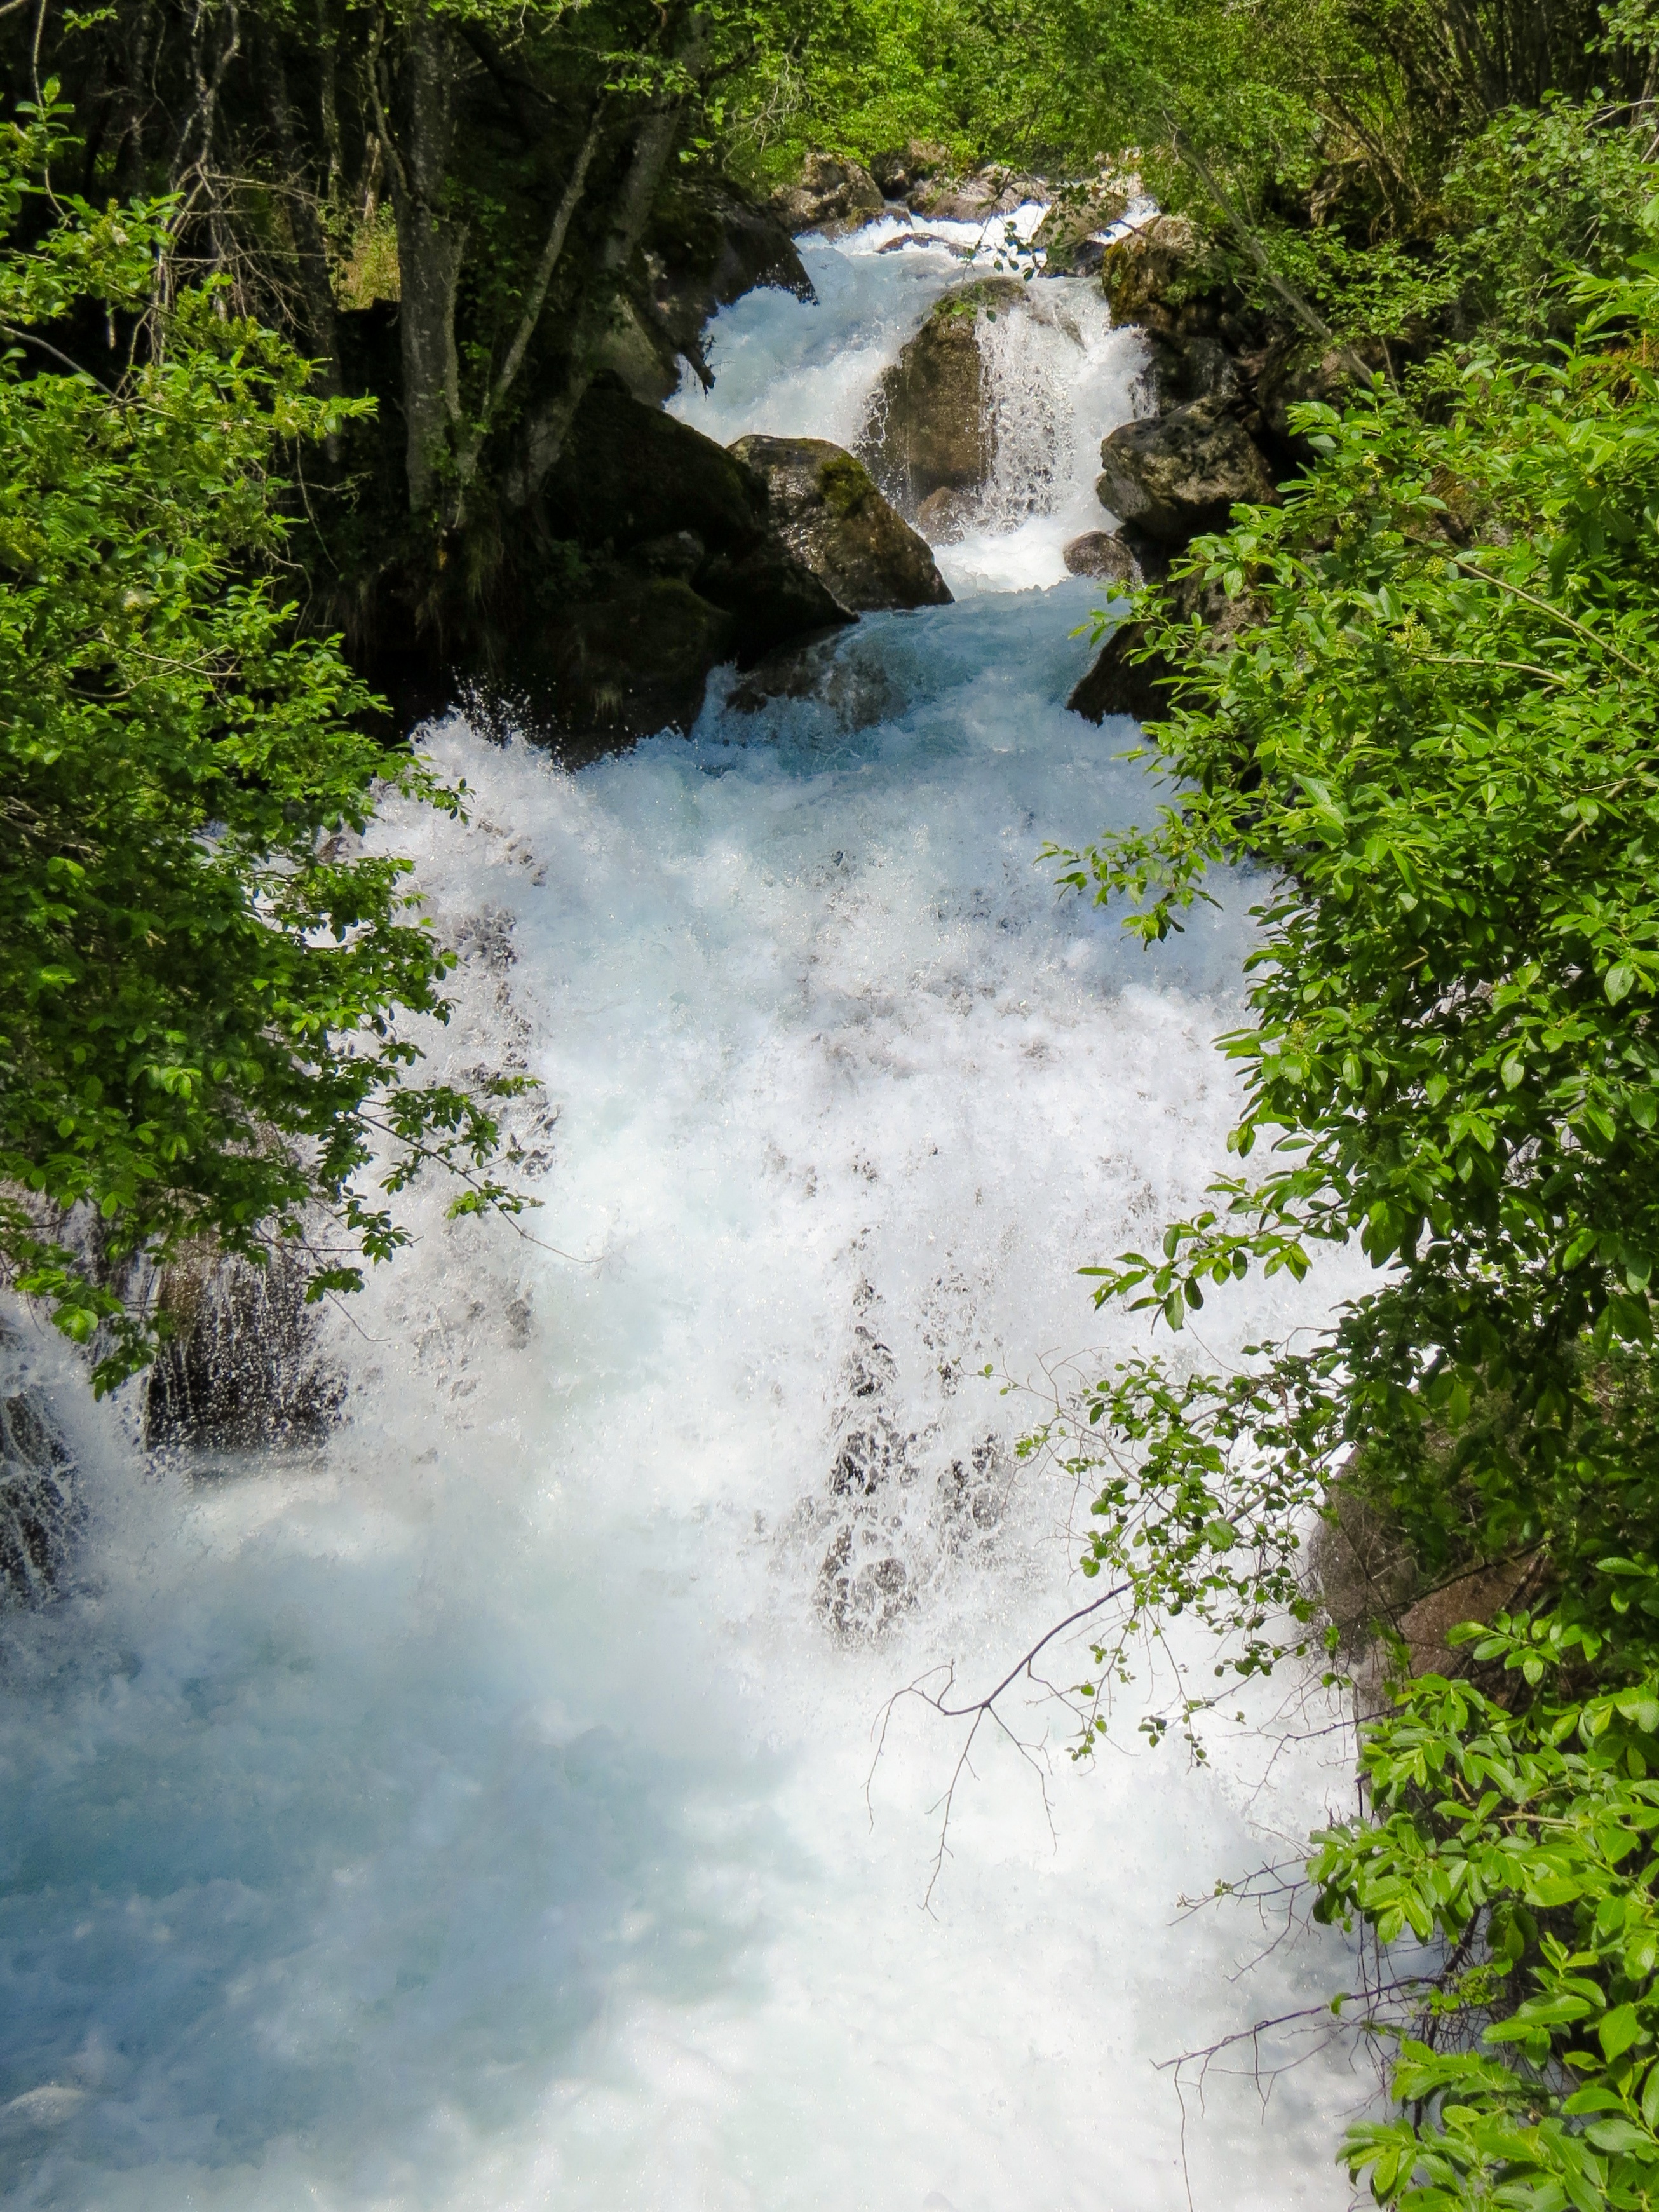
430, 244
549, 426
311, 252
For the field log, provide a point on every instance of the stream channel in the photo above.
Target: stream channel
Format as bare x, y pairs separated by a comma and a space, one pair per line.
475, 1808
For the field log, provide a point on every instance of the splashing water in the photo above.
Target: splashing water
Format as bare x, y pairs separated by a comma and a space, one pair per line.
471, 1812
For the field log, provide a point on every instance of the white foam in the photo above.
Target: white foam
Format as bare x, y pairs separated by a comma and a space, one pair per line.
472, 1814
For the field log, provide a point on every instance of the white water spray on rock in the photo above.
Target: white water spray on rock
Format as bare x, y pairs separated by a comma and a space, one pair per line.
471, 1812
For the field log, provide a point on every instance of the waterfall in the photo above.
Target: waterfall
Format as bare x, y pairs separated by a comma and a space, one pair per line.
478, 1804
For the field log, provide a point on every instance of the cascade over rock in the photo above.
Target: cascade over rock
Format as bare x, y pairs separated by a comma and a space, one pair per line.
927, 430
824, 509
1181, 472
40, 1512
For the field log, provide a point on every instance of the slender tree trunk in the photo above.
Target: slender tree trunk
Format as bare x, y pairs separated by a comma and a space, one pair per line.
549, 426
430, 245
311, 250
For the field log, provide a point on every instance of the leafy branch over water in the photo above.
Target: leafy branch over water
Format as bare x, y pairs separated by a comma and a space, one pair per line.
1433, 740
202, 981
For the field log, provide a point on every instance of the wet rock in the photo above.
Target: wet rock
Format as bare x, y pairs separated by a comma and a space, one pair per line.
906, 169
989, 192
244, 1366
928, 429
630, 474
1181, 472
1104, 553
772, 599
41, 1510
1068, 235
830, 195
863, 1588
635, 662
1145, 270
823, 509
1120, 684
708, 244
946, 516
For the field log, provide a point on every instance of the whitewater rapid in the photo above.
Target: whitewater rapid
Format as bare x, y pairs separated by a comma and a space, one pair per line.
480, 1809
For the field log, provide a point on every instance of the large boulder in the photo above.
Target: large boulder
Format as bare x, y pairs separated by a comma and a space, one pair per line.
634, 662
928, 429
830, 195
708, 245
824, 510
629, 473
1182, 472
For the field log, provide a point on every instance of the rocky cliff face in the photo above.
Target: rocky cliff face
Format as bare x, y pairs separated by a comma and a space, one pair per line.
1223, 379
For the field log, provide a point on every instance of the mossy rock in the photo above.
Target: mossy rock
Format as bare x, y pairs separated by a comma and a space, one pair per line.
826, 511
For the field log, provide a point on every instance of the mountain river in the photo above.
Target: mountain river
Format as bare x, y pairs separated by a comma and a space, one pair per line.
480, 1807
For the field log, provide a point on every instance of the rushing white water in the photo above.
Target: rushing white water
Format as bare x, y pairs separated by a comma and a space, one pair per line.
472, 1813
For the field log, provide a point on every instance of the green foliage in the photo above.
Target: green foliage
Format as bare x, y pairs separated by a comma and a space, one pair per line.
1432, 742
200, 985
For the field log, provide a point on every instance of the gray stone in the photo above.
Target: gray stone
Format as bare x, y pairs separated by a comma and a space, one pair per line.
831, 195
1067, 235
928, 429
989, 192
945, 516
1104, 553
1181, 472
822, 508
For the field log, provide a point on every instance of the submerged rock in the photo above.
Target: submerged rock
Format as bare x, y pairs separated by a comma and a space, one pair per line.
1181, 472
41, 1509
830, 195
824, 511
928, 427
